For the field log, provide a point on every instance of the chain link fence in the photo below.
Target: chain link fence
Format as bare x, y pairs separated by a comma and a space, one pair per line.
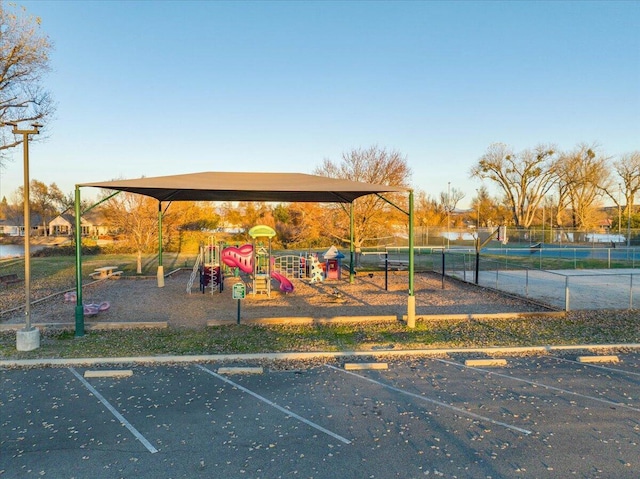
565, 278
568, 279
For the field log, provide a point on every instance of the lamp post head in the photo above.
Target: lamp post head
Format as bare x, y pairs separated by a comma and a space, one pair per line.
16, 131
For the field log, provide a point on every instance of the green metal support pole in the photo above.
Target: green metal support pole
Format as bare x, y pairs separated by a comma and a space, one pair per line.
411, 301
352, 269
160, 274
78, 233
159, 233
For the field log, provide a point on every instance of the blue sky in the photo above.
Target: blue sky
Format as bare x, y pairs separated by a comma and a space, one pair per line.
153, 88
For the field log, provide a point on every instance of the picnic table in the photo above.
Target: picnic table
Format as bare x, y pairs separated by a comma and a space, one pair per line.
105, 272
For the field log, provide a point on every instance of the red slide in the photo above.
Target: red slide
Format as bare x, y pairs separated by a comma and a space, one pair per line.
286, 286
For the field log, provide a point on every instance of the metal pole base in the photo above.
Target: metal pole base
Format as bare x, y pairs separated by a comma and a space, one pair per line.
79, 321
27, 339
160, 275
411, 312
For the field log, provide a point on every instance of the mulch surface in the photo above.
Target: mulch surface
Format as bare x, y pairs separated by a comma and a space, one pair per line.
132, 300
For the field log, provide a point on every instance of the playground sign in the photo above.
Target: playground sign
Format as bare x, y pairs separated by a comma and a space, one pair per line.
239, 291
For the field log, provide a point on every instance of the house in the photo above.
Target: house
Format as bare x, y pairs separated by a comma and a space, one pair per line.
93, 223
15, 226
10, 228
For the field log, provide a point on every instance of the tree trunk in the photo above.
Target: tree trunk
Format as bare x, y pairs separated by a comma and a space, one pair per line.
139, 262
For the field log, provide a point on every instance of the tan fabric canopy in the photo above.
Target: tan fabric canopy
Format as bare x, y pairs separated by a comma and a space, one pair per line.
227, 186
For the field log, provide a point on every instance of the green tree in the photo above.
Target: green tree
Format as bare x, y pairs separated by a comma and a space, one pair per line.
298, 225
4, 208
486, 211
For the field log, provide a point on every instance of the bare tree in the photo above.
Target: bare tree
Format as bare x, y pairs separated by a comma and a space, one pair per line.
47, 201
449, 200
525, 178
135, 217
583, 174
628, 169
429, 211
24, 59
373, 217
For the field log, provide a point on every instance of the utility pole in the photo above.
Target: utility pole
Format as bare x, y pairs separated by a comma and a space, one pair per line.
478, 199
448, 212
28, 338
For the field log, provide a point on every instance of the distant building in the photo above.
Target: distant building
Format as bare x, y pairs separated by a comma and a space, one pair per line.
15, 226
92, 223
10, 228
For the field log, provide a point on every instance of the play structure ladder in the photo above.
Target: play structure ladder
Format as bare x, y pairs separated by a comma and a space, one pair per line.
195, 272
261, 284
207, 267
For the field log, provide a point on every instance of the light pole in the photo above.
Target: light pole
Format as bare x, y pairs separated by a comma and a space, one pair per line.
28, 338
448, 212
543, 220
478, 222
619, 210
628, 222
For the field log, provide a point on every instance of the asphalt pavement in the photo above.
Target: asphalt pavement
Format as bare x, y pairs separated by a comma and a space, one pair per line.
543, 415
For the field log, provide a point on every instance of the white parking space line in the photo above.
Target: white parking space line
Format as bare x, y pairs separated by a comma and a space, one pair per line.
118, 416
541, 385
606, 368
436, 402
274, 405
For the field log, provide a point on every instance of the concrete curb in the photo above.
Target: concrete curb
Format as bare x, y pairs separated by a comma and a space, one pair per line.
304, 320
384, 318
289, 320
8, 363
91, 325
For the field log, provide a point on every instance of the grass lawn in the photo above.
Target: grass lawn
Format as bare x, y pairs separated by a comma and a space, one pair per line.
578, 328
593, 327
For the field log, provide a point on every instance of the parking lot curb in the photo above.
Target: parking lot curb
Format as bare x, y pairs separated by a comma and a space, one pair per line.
293, 356
92, 326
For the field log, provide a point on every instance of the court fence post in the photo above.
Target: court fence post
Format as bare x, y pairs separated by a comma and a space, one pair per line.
566, 293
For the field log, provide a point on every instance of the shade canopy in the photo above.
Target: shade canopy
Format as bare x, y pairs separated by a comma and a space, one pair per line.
228, 186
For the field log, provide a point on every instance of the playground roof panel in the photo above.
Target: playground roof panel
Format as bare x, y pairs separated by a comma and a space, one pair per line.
229, 186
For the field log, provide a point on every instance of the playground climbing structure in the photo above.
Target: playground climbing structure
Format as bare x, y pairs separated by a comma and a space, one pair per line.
207, 268
261, 236
256, 260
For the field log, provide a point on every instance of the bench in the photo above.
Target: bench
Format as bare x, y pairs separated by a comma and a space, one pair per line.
8, 279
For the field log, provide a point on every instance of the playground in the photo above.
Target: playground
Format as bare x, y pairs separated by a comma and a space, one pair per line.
257, 267
140, 300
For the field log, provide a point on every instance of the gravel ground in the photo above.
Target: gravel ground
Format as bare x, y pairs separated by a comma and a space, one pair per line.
142, 300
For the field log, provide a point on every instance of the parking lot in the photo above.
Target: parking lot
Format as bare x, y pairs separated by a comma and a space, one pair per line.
537, 416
